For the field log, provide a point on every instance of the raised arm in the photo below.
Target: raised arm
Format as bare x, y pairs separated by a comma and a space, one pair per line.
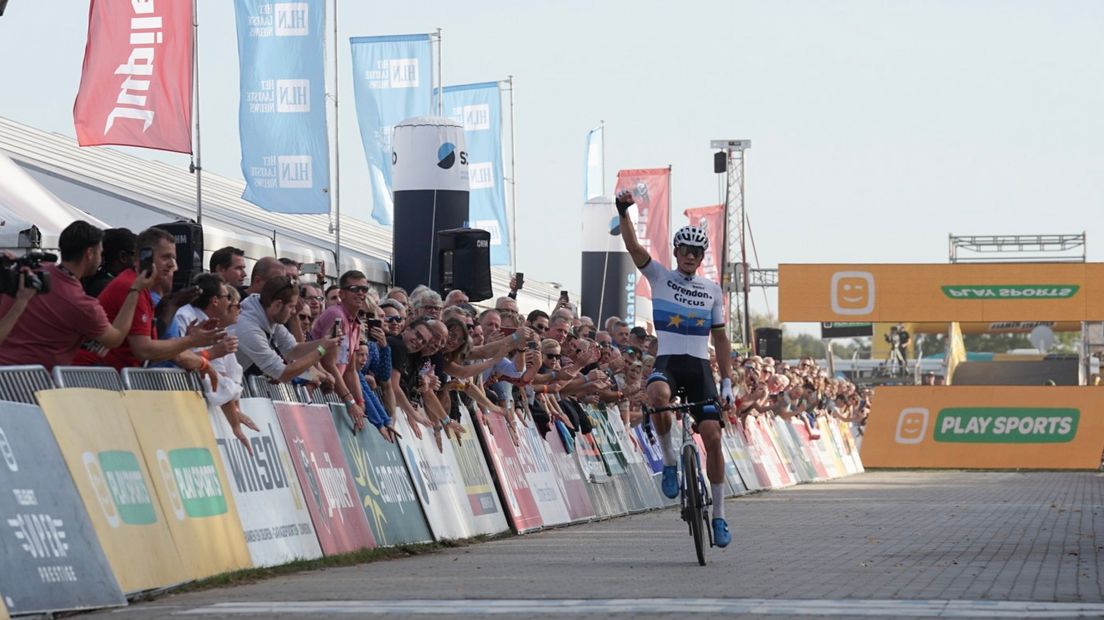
639, 255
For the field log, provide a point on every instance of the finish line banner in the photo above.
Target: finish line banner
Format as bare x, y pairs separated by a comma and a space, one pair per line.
282, 110
1001, 427
478, 107
942, 293
392, 81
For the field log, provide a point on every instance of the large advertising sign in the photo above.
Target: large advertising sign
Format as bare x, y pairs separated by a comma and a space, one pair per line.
511, 477
383, 485
957, 292
102, 453
50, 558
270, 501
179, 450
1016, 427
319, 462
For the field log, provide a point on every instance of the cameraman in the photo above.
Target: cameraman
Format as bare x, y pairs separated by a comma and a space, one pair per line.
22, 296
56, 323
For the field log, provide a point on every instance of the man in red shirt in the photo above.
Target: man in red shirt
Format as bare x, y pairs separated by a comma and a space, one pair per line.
141, 343
56, 323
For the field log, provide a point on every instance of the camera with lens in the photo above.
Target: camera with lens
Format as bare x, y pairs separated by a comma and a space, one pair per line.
11, 269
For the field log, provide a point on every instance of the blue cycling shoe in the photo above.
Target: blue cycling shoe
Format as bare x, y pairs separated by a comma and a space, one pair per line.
670, 481
721, 536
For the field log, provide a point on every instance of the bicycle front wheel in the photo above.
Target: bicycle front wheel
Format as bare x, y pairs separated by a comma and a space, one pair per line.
691, 481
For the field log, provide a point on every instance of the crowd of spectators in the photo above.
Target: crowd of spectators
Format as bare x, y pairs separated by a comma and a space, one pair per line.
410, 353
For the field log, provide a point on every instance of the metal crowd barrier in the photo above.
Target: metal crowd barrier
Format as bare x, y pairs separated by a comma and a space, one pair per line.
19, 383
260, 386
87, 377
161, 379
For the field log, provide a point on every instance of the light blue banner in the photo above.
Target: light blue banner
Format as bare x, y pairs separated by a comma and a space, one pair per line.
478, 107
282, 112
392, 81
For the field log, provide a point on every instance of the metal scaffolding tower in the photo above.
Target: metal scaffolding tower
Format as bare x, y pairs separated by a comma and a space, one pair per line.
734, 265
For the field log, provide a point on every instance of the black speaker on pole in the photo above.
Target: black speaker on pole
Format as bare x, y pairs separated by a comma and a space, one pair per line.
465, 260
720, 162
768, 342
189, 251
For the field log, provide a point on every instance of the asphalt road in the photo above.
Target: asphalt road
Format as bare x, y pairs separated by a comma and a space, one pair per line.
908, 544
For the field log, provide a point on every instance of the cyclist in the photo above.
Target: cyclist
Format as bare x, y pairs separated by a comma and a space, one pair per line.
686, 310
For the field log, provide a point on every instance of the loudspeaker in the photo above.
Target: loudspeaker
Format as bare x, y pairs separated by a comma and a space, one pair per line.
768, 342
189, 251
720, 162
465, 262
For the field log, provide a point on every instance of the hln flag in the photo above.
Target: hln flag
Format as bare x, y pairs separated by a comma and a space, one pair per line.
282, 110
136, 85
478, 107
392, 81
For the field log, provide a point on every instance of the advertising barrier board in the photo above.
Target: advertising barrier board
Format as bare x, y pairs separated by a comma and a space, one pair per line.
319, 462
486, 511
568, 474
975, 292
101, 450
616, 462
732, 437
603, 494
437, 480
512, 481
1000, 427
179, 449
51, 560
541, 475
382, 483
270, 501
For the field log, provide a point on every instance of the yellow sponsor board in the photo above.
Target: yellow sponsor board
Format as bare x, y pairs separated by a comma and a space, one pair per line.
104, 458
983, 293
999, 427
179, 449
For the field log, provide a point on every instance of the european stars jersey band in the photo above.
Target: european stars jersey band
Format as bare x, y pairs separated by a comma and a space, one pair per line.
684, 310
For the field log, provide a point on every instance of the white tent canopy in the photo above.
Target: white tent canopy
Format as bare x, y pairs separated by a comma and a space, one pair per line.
24, 204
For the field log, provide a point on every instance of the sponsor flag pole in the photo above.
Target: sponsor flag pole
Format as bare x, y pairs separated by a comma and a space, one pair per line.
335, 225
440, 80
195, 166
513, 182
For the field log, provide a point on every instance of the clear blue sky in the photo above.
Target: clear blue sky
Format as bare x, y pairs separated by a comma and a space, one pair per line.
877, 127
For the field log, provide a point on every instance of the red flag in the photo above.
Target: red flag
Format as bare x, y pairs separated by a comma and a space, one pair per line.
136, 85
653, 202
712, 219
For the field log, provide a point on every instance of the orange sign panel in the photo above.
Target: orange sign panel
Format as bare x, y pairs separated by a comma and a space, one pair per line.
984, 293
999, 427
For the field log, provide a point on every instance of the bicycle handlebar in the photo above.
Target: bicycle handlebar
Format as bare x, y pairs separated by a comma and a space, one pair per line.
680, 407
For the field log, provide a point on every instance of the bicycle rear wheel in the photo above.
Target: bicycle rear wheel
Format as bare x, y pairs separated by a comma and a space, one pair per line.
691, 477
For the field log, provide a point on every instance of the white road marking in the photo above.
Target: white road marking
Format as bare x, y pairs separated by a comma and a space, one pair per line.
791, 607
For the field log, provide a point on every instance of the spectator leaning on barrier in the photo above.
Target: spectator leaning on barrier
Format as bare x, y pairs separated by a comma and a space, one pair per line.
343, 320
229, 264
265, 346
120, 247
56, 323
142, 344
333, 295
408, 381
372, 371
425, 302
394, 315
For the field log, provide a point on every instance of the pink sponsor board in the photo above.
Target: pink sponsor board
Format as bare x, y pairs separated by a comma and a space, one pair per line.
504, 457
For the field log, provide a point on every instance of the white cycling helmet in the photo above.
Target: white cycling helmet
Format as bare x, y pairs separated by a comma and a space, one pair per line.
691, 236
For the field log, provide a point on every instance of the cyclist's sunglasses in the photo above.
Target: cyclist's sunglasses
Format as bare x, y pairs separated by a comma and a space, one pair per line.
689, 250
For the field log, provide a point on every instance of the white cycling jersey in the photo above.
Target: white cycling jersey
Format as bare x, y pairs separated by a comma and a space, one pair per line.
684, 310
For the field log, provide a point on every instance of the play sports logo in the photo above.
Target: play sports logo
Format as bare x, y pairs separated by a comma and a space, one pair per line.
852, 292
1011, 291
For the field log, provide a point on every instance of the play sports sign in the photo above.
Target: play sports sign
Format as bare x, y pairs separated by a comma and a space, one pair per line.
955, 292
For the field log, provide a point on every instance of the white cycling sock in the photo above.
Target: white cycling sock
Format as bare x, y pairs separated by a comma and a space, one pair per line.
666, 443
718, 493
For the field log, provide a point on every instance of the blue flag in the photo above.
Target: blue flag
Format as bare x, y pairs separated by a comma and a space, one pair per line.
478, 108
282, 112
594, 171
392, 81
